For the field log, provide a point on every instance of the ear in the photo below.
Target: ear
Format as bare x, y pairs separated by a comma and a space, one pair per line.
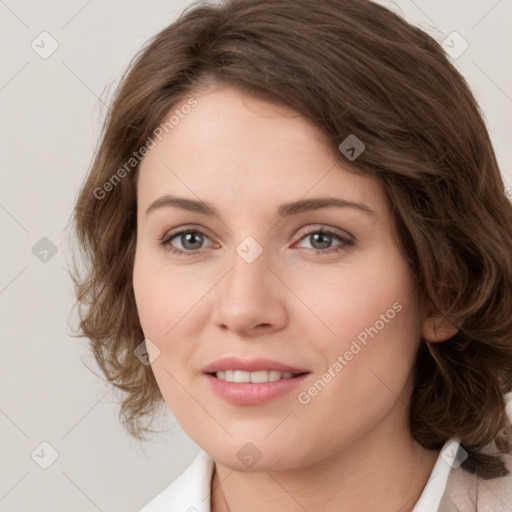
438, 328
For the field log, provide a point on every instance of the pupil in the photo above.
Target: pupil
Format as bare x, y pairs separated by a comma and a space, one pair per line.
195, 240
189, 238
317, 237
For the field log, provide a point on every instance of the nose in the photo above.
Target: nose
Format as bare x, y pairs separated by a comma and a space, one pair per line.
250, 299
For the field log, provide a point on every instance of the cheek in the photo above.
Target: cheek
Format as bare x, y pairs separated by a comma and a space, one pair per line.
159, 313
349, 300
171, 307
164, 296
367, 363
371, 313
148, 297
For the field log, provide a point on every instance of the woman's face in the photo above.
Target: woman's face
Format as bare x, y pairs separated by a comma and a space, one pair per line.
257, 282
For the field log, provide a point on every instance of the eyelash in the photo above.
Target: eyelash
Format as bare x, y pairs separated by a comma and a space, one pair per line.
165, 242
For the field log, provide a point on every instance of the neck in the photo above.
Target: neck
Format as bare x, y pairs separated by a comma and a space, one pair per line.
384, 471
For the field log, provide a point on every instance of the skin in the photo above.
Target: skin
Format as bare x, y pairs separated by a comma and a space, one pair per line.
246, 157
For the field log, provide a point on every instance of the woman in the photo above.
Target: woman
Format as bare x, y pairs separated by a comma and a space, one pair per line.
298, 240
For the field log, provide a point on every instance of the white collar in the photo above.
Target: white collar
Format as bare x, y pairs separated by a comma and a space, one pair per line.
190, 492
434, 489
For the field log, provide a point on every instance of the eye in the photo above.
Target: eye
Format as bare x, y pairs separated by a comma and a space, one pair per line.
322, 241
190, 240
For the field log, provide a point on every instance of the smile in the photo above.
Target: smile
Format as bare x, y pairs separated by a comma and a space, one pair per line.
254, 377
242, 391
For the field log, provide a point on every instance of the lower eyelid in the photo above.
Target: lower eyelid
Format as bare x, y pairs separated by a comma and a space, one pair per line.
346, 241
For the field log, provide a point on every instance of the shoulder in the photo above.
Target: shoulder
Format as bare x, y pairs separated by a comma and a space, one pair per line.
190, 492
469, 492
496, 494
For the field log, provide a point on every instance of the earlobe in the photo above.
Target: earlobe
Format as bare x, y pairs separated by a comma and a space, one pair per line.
438, 328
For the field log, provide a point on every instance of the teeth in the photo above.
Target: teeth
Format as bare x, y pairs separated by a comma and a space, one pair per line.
255, 377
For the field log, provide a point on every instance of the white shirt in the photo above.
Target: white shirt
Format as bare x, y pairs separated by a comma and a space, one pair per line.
190, 492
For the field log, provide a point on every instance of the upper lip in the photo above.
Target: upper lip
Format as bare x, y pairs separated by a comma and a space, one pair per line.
250, 365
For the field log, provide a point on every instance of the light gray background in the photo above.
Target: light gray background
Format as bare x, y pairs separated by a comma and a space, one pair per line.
51, 114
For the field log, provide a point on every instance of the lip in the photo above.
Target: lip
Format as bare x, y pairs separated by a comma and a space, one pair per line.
250, 365
248, 393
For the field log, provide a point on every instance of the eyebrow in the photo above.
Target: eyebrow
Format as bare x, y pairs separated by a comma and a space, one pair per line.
284, 210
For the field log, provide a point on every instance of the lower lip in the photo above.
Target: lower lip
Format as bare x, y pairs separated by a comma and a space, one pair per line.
247, 393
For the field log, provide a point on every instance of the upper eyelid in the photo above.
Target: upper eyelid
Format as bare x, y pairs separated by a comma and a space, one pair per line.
305, 231
169, 235
325, 228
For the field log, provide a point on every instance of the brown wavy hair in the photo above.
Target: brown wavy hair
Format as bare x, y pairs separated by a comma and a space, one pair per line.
350, 67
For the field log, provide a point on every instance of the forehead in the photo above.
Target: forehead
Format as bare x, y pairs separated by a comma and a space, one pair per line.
233, 147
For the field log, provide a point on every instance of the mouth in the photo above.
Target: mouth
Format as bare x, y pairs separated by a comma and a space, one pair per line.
244, 370
257, 377
253, 382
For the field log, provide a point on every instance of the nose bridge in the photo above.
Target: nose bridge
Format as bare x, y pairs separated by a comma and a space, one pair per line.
247, 296
247, 277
